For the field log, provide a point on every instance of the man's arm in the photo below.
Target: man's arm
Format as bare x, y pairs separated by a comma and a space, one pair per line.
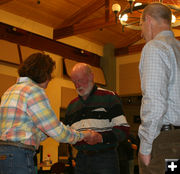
154, 73
145, 158
118, 122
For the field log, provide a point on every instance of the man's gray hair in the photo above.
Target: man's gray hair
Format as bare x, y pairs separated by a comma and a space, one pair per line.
158, 11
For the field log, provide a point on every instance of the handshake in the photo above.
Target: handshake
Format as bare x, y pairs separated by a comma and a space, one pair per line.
91, 137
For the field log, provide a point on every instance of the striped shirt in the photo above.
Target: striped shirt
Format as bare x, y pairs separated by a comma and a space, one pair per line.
27, 117
160, 84
101, 112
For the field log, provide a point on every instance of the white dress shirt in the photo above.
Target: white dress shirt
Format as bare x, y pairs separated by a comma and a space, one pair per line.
160, 84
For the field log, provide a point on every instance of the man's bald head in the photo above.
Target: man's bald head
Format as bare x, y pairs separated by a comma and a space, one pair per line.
83, 79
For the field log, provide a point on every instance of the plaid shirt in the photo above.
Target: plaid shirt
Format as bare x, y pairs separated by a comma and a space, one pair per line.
27, 117
160, 84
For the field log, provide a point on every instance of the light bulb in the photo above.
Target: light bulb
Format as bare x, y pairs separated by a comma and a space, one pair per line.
137, 4
173, 20
116, 8
124, 18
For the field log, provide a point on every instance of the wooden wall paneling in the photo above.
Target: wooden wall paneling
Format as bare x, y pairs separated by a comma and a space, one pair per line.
26, 51
98, 72
9, 52
67, 94
129, 81
6, 82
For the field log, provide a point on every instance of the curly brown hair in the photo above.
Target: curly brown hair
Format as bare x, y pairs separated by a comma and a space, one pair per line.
38, 67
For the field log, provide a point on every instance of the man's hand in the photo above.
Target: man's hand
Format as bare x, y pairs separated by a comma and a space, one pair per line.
86, 133
92, 137
145, 158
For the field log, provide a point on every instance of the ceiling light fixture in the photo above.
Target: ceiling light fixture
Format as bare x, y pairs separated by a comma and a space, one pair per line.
130, 17
131, 3
116, 8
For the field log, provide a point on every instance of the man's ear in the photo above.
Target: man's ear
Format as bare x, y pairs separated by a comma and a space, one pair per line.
152, 22
148, 18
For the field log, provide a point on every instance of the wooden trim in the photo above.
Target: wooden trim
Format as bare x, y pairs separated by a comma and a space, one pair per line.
25, 38
132, 49
9, 63
20, 54
129, 50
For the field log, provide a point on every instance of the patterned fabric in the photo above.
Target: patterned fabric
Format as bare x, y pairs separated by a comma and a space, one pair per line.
160, 84
26, 116
101, 112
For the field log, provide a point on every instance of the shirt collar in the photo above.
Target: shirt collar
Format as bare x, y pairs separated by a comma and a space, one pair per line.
93, 90
23, 79
165, 33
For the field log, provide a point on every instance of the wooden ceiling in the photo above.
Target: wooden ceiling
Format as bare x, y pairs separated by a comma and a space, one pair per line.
89, 19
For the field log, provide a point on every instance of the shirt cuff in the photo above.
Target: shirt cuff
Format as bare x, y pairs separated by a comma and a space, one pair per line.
78, 136
145, 148
81, 136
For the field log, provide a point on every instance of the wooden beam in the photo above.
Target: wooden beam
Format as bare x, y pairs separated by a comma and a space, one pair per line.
25, 38
177, 2
91, 25
132, 49
108, 11
4, 1
20, 54
178, 27
3, 62
83, 12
